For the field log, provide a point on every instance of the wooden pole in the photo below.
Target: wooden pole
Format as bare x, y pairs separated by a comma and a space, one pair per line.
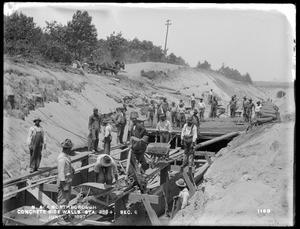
214, 140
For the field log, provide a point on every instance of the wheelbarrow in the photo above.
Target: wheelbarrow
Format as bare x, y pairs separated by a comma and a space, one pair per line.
157, 150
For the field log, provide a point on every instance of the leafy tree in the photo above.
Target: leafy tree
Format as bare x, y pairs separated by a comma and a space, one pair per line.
21, 35
204, 65
117, 45
81, 34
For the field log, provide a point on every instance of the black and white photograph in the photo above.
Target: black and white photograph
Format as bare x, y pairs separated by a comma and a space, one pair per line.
149, 114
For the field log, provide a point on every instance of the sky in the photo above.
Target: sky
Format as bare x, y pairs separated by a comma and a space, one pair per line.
252, 38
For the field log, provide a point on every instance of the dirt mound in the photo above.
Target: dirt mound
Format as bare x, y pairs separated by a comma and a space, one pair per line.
249, 184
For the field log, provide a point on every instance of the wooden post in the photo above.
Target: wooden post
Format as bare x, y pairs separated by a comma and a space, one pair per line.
191, 187
151, 213
85, 173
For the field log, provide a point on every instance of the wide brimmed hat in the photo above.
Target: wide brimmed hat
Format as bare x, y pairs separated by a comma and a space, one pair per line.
37, 119
250, 99
189, 119
95, 109
244, 97
180, 183
67, 144
201, 98
145, 139
105, 161
195, 111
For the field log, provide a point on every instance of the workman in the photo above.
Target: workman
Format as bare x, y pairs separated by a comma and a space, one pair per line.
120, 123
232, 107
250, 107
173, 113
151, 112
181, 114
165, 105
105, 170
214, 107
164, 128
159, 111
196, 120
65, 173
94, 127
245, 103
137, 130
36, 139
138, 147
182, 197
188, 141
258, 106
201, 108
107, 137
192, 101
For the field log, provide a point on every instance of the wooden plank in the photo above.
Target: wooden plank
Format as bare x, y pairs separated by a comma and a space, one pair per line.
191, 187
41, 197
53, 188
202, 153
137, 197
151, 213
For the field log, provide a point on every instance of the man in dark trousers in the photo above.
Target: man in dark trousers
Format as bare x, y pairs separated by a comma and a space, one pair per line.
95, 128
165, 106
245, 103
36, 139
138, 147
196, 120
214, 107
65, 176
120, 123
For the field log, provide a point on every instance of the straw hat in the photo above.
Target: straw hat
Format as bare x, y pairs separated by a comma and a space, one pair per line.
105, 161
196, 111
189, 119
180, 183
95, 109
67, 144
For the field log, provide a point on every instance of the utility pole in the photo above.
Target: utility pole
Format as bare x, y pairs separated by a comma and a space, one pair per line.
168, 23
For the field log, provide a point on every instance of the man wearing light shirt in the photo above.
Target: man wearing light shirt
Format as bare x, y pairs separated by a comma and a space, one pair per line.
192, 101
188, 140
201, 108
36, 139
107, 136
164, 127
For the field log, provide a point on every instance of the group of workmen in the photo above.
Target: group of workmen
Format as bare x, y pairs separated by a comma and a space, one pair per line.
177, 111
106, 168
248, 108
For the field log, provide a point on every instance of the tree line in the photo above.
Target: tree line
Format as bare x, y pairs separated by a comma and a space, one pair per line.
76, 41
227, 72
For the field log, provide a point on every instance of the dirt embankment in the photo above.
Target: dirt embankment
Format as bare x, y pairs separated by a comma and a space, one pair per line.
251, 181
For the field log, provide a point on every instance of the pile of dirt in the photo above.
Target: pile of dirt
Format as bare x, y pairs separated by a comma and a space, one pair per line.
251, 181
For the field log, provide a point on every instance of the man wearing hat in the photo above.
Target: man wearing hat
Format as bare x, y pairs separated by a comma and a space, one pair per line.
164, 128
159, 111
183, 195
165, 105
138, 147
136, 130
105, 169
151, 112
195, 117
120, 123
36, 139
94, 127
192, 100
65, 173
249, 110
107, 137
232, 107
201, 108
173, 113
181, 114
188, 140
245, 102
